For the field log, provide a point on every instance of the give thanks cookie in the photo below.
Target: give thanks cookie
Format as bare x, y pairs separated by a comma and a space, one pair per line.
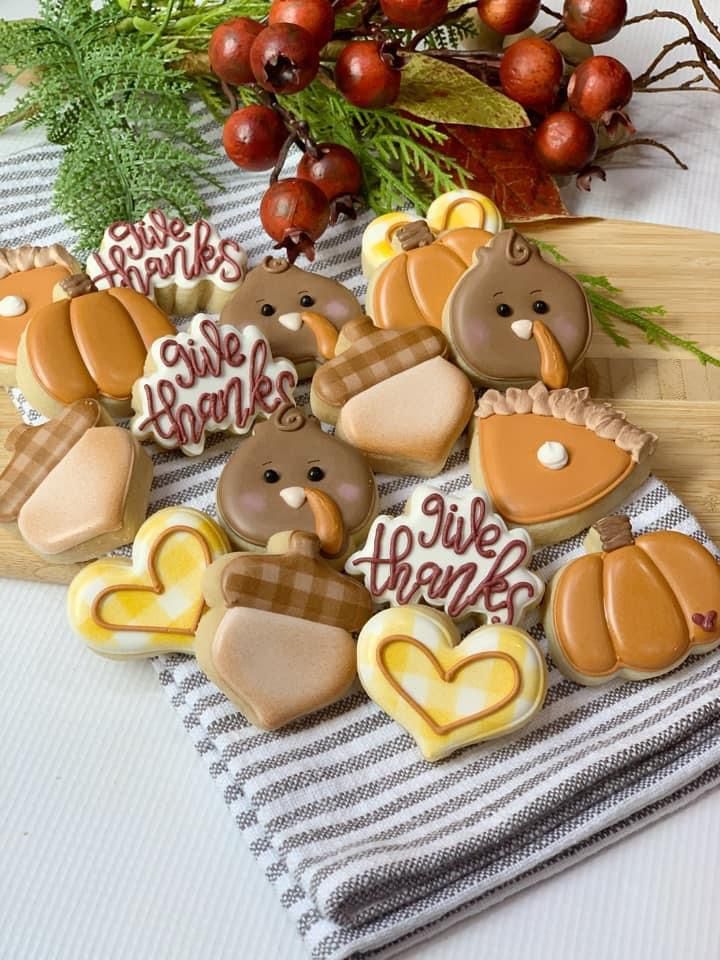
632, 607
449, 692
453, 552
299, 312
277, 639
393, 395
291, 475
513, 318
554, 461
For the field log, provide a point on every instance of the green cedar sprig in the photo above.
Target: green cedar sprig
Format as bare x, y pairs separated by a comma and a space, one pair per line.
602, 294
115, 107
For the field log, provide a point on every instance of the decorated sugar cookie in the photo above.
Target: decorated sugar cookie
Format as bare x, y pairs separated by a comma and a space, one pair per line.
213, 378
183, 267
514, 318
291, 475
392, 395
410, 288
277, 638
553, 461
88, 343
452, 552
153, 603
300, 313
92, 501
28, 276
447, 692
632, 607
36, 451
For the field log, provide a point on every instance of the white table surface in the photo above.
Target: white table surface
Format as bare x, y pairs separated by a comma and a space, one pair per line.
114, 842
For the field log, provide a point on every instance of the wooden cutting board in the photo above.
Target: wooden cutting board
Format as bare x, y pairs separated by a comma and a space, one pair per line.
666, 391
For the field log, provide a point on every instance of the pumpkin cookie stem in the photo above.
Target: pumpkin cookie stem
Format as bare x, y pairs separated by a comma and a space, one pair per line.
76, 285
413, 235
614, 533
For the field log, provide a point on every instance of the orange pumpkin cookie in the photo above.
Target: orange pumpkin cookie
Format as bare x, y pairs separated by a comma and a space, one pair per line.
88, 344
277, 638
28, 276
633, 608
392, 395
410, 288
553, 461
514, 318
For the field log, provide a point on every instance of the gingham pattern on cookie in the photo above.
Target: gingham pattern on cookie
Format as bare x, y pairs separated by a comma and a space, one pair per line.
373, 357
296, 585
37, 450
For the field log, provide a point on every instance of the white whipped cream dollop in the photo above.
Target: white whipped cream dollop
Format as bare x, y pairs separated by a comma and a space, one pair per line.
12, 306
553, 455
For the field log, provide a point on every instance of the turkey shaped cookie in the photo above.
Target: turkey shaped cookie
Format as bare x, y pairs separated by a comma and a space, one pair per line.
277, 638
632, 607
553, 461
290, 475
300, 313
28, 276
513, 318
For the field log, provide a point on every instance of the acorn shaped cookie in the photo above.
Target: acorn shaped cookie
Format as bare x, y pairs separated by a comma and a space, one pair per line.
633, 607
277, 639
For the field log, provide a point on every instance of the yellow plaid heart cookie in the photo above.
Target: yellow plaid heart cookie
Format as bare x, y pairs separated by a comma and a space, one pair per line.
447, 692
153, 603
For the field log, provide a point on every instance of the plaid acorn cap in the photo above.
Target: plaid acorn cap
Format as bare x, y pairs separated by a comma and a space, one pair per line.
38, 450
373, 356
298, 583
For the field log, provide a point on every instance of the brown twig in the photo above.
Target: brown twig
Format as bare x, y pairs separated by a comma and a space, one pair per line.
705, 19
550, 12
230, 95
708, 60
642, 142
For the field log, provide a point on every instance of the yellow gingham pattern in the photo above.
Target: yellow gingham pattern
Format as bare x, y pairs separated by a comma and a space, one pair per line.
477, 210
180, 565
474, 688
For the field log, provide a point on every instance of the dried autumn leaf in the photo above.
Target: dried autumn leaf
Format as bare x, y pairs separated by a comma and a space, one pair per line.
442, 93
502, 165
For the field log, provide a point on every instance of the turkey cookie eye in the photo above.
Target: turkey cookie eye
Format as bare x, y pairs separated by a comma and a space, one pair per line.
315, 474
307, 301
504, 310
271, 476
540, 306
267, 310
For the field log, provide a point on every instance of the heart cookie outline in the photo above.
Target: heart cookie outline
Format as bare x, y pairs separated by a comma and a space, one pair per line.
448, 676
446, 703
180, 596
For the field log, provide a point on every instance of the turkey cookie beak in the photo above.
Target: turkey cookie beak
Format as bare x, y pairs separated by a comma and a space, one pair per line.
522, 329
325, 334
293, 496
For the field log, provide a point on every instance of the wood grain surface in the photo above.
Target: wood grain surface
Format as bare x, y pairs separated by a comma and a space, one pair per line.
666, 391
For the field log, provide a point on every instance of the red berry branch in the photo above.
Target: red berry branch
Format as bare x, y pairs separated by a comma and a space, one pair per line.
574, 98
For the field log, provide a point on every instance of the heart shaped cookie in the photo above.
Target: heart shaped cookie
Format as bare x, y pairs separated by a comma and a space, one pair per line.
152, 604
447, 692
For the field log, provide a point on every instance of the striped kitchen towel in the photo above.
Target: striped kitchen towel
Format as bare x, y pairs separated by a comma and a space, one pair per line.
371, 848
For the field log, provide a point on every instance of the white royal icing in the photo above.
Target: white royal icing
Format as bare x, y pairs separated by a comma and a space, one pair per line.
211, 378
12, 306
292, 321
293, 496
158, 251
553, 455
522, 329
453, 552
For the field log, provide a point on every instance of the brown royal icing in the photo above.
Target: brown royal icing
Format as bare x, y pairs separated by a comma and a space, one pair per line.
93, 343
602, 447
639, 604
275, 293
31, 274
511, 284
284, 458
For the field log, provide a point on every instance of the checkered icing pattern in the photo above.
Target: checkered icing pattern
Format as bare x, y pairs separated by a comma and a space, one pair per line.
374, 357
297, 586
464, 692
37, 450
154, 603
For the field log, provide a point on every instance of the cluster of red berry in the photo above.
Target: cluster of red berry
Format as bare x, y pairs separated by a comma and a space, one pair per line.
283, 55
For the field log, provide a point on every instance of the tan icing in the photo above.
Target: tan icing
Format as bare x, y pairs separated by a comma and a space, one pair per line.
84, 496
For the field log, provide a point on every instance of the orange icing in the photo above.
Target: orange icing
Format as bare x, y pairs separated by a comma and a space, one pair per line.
553, 365
523, 490
35, 287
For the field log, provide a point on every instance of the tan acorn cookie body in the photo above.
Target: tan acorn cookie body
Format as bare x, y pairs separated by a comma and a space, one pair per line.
633, 608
